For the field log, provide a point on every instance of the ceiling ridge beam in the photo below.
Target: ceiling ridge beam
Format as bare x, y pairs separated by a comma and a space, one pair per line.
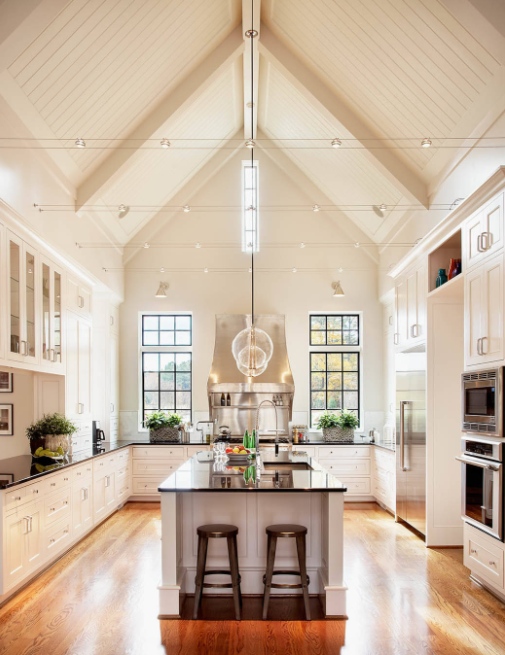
159, 221
303, 78
251, 67
200, 78
294, 172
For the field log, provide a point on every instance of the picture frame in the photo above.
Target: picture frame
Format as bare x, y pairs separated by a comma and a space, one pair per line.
6, 420
6, 382
5, 479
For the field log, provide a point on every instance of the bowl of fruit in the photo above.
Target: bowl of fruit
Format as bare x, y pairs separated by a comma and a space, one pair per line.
237, 453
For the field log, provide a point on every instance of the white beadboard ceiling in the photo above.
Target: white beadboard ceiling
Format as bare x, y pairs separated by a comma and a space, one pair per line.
122, 74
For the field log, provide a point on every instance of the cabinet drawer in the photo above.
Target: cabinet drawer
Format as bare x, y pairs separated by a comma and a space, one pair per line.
123, 456
347, 466
55, 482
81, 442
57, 536
193, 450
384, 459
146, 486
105, 463
483, 557
57, 505
155, 466
309, 450
166, 452
356, 486
15, 498
336, 452
81, 472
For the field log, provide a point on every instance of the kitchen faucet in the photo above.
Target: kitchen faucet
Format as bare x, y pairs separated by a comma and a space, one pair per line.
257, 431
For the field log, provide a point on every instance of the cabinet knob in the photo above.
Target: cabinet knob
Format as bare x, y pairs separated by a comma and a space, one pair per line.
473, 551
51, 541
17, 498
492, 563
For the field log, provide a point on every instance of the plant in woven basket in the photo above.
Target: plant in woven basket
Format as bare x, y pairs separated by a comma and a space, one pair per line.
338, 427
164, 427
50, 435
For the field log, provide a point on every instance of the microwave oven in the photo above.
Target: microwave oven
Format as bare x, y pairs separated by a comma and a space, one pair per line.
482, 402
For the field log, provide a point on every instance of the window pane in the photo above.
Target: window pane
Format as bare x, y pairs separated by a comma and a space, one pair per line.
167, 381
167, 399
334, 400
350, 361
166, 339
183, 361
150, 362
317, 338
318, 322
350, 322
350, 338
350, 400
183, 381
351, 381
150, 400
334, 362
317, 400
318, 361
166, 322
337, 329
183, 399
183, 338
334, 381
317, 381
314, 417
167, 362
150, 381
150, 322
334, 322
182, 323
334, 338
150, 339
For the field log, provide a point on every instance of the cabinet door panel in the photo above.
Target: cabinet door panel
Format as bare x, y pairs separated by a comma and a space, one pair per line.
492, 344
474, 302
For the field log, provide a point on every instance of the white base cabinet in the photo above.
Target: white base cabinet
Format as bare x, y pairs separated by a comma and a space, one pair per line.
351, 464
485, 557
384, 472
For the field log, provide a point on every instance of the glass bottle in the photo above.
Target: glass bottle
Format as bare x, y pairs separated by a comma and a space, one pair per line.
223, 400
441, 278
453, 268
228, 399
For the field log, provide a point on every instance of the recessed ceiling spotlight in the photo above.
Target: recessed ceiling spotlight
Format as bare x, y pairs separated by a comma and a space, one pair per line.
80, 143
340, 270
186, 209
205, 270
251, 34
302, 245
122, 210
250, 105
198, 245
165, 143
315, 208
162, 270
249, 143
294, 270
336, 143
426, 143
357, 244
146, 245
105, 270
383, 207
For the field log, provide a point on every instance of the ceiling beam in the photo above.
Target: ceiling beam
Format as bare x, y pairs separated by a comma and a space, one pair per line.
174, 102
312, 87
251, 12
292, 171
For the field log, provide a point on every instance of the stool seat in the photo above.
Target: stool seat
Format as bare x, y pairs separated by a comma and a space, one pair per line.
217, 531
287, 530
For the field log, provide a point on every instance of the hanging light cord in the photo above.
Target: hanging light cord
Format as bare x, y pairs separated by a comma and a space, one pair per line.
252, 157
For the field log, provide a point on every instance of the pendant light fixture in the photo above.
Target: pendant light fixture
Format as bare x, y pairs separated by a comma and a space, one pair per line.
252, 348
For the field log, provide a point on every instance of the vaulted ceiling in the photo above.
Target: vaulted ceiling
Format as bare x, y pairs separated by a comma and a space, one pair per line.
380, 75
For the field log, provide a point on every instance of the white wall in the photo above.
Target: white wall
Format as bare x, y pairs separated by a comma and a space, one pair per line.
291, 294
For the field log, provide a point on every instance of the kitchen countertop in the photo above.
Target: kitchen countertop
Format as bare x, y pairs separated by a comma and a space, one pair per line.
199, 474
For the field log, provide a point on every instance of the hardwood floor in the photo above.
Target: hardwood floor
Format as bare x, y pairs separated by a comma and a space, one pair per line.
101, 599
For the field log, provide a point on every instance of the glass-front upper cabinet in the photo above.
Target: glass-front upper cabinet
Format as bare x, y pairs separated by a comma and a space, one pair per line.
23, 336
51, 288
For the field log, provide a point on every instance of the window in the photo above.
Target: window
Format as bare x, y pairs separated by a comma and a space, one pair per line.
166, 360
250, 199
334, 364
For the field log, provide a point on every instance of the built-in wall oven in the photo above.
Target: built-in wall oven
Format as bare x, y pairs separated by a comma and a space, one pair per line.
482, 402
482, 483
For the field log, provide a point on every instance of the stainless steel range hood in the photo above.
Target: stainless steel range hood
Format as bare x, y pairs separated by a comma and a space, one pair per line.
234, 398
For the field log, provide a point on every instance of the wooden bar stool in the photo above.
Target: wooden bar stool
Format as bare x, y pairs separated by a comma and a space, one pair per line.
217, 531
290, 531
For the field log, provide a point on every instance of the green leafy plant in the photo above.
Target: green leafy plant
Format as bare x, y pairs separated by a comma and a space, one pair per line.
341, 420
50, 424
158, 420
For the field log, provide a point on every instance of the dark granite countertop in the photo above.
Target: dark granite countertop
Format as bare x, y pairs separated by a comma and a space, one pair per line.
21, 469
278, 473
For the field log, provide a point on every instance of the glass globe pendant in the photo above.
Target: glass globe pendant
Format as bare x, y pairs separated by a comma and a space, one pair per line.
252, 349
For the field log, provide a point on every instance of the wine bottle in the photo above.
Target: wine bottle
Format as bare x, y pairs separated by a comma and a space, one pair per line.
228, 399
223, 400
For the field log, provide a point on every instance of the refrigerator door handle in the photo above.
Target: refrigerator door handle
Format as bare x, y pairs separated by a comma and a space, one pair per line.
402, 433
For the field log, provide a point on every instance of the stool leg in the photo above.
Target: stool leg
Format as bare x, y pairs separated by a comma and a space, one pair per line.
233, 557
300, 547
200, 573
271, 545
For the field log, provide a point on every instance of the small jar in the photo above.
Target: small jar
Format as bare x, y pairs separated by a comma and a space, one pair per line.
441, 278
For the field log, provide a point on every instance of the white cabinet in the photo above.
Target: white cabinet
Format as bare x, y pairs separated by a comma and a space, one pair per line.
78, 361
410, 307
104, 487
51, 290
82, 499
351, 464
78, 297
23, 334
484, 304
485, 557
483, 233
23, 543
383, 477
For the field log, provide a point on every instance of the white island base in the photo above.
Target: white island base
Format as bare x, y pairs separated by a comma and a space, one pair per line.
251, 511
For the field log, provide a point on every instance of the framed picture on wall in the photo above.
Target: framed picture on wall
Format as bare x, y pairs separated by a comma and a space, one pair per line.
6, 420
6, 382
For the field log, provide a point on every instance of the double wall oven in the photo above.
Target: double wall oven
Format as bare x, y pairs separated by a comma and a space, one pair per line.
483, 444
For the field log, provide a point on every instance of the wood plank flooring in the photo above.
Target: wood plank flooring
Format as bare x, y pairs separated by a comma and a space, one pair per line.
101, 599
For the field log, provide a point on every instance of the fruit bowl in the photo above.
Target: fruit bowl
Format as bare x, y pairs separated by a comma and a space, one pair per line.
241, 455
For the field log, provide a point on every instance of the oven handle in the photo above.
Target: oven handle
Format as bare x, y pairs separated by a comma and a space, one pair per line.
482, 465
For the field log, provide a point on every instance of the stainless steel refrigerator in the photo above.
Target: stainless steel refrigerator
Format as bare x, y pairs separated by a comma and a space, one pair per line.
411, 439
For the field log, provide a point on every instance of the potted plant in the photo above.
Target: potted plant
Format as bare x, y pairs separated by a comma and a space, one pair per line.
164, 427
338, 427
50, 436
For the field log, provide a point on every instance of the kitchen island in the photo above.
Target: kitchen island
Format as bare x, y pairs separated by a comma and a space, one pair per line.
287, 488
